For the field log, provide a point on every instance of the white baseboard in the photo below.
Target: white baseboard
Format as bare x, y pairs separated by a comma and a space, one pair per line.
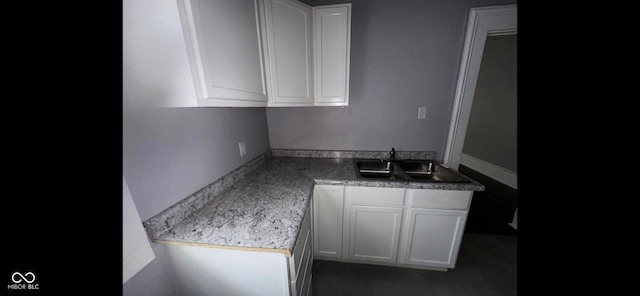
500, 174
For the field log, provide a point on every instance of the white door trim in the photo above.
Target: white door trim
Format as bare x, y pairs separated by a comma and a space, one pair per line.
483, 22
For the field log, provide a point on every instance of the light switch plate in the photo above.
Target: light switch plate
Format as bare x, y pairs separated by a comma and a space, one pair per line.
243, 149
422, 112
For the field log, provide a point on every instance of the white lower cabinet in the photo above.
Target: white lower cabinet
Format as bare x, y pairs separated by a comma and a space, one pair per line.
433, 227
373, 233
372, 229
301, 260
327, 223
204, 271
433, 237
208, 271
418, 228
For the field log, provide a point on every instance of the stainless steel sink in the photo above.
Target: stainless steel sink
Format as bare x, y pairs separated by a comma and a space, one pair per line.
407, 170
418, 170
374, 168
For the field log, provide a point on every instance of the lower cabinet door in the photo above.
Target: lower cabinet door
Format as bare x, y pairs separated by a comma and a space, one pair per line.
434, 237
306, 279
327, 220
374, 233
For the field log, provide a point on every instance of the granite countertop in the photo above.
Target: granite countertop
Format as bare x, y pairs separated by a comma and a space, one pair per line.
264, 210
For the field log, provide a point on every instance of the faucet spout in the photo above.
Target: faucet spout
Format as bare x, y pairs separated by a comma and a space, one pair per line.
392, 153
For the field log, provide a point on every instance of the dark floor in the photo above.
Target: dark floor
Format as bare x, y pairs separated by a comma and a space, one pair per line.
487, 263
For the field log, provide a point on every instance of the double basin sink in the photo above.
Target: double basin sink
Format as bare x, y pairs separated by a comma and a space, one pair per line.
406, 170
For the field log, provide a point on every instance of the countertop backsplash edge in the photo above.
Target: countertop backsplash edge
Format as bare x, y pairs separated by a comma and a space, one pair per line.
351, 154
165, 220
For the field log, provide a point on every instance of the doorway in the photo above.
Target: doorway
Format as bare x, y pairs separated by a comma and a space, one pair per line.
482, 141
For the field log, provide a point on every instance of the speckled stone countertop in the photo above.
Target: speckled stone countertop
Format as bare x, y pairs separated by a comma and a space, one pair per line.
264, 210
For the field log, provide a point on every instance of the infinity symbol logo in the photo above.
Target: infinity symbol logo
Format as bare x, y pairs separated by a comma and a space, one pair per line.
23, 277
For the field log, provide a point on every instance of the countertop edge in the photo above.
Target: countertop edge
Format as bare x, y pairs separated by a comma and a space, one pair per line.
286, 252
402, 184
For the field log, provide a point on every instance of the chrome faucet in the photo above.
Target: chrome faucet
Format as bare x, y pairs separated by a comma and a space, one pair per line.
392, 153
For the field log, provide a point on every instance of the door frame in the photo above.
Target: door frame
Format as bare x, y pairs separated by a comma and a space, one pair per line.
483, 22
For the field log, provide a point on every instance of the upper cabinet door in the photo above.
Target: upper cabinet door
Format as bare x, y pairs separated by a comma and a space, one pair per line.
224, 44
289, 46
332, 28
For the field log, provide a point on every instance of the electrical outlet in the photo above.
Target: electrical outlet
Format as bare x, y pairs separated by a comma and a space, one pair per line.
243, 149
422, 112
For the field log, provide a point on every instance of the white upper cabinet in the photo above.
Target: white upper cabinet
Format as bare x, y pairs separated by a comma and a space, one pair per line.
308, 51
224, 45
267, 53
332, 42
290, 54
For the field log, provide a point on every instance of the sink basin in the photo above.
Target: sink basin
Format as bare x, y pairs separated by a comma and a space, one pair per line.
418, 170
374, 168
407, 170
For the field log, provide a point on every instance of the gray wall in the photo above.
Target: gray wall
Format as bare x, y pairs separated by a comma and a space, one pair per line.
404, 54
169, 153
492, 132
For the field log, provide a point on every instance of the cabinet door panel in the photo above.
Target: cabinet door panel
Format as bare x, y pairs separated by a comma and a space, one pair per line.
374, 233
288, 29
327, 220
434, 237
332, 44
302, 244
225, 48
